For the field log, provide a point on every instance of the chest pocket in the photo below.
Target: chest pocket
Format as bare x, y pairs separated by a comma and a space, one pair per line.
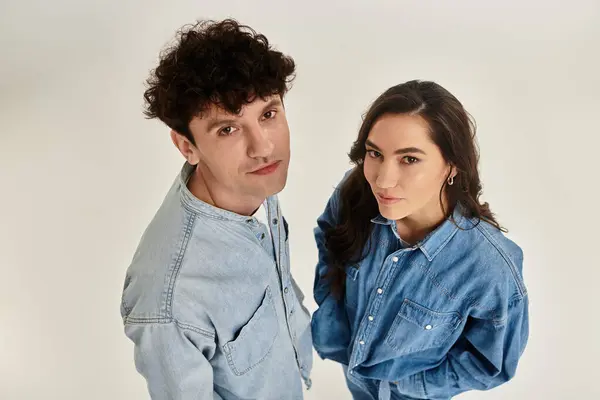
418, 328
255, 340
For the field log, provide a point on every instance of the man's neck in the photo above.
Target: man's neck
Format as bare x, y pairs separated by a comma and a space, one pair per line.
210, 192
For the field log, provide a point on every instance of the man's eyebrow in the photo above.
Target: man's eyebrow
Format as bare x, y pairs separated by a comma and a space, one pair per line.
216, 121
276, 102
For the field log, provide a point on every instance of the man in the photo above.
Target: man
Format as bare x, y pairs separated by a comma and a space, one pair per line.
209, 301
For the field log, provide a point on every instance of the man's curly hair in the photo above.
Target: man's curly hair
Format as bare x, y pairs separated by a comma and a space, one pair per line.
222, 63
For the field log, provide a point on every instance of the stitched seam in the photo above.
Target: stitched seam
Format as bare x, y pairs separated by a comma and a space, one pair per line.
444, 243
423, 385
165, 321
178, 262
412, 304
200, 331
126, 309
436, 342
433, 278
513, 300
229, 348
193, 210
231, 363
511, 265
144, 321
473, 302
237, 372
257, 316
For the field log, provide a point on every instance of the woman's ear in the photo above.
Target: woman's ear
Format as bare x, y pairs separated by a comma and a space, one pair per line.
453, 171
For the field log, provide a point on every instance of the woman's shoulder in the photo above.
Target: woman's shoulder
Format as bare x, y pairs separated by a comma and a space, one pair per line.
500, 256
500, 244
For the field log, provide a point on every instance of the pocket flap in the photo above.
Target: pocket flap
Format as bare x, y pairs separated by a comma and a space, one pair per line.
426, 318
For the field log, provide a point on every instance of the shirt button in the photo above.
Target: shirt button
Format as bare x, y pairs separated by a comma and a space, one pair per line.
361, 342
262, 235
371, 318
291, 312
428, 327
395, 259
380, 290
286, 290
275, 221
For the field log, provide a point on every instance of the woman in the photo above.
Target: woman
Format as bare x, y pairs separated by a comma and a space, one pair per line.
420, 294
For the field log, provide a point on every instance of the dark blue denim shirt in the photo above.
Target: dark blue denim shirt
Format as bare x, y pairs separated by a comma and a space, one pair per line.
430, 321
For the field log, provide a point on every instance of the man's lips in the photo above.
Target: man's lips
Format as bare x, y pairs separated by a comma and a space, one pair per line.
267, 169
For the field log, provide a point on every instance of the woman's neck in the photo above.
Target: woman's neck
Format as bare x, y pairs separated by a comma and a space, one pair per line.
415, 227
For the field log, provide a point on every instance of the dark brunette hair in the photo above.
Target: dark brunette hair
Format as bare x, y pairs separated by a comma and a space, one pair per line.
223, 63
452, 130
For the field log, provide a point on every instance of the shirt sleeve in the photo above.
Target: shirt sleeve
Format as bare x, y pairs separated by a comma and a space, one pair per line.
174, 360
485, 356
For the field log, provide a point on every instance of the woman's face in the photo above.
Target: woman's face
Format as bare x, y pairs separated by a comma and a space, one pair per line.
404, 167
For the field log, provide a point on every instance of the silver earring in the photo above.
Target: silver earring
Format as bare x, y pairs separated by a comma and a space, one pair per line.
451, 181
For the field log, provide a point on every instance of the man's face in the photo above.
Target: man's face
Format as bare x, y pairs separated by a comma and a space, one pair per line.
244, 156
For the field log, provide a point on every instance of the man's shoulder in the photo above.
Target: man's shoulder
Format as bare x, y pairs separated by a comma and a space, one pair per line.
186, 255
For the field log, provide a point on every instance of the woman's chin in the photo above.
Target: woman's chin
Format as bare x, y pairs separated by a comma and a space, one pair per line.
392, 213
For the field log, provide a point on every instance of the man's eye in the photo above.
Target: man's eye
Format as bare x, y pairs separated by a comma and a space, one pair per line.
269, 114
373, 154
228, 130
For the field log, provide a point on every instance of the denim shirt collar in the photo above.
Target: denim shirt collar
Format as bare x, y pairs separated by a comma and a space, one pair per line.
194, 204
435, 241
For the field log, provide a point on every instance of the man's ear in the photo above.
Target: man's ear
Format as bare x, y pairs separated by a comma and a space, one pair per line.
186, 147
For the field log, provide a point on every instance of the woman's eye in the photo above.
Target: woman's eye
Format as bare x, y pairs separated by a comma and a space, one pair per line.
373, 154
410, 160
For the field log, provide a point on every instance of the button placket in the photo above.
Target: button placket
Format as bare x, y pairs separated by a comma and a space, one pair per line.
371, 316
281, 272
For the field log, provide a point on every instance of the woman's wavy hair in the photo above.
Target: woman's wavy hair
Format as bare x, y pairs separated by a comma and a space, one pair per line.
452, 129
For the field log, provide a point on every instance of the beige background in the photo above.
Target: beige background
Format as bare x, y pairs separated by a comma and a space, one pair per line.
82, 172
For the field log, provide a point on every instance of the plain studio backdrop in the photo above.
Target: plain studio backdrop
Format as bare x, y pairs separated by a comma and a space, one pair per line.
82, 172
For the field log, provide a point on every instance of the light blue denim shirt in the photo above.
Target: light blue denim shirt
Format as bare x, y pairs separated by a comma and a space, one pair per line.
430, 321
211, 307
